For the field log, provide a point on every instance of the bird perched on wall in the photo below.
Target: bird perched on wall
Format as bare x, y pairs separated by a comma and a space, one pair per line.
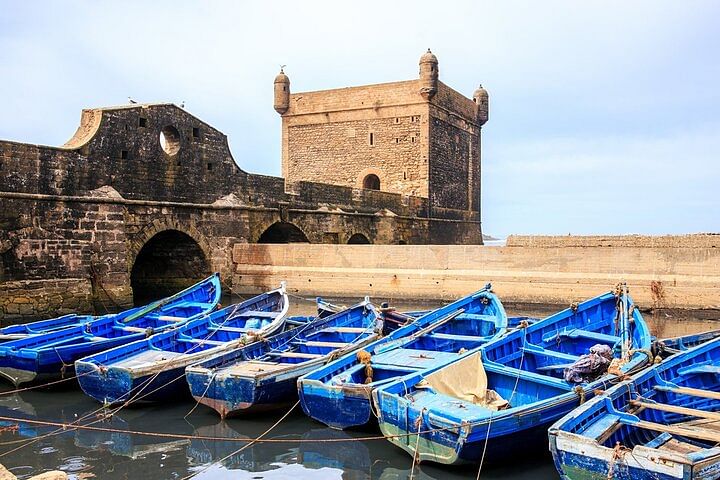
182, 105
131, 100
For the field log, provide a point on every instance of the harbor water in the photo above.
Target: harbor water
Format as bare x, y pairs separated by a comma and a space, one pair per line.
184, 440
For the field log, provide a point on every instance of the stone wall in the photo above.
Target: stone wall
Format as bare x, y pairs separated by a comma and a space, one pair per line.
87, 210
662, 272
429, 148
328, 137
25, 300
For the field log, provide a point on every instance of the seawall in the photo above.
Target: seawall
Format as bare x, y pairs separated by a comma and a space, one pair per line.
662, 272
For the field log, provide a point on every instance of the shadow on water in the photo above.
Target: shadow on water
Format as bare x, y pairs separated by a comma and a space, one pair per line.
301, 448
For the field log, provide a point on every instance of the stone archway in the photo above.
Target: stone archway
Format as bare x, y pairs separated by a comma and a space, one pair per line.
358, 239
168, 262
283, 232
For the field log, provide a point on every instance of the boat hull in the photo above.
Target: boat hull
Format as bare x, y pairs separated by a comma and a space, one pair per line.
337, 407
113, 386
239, 396
578, 460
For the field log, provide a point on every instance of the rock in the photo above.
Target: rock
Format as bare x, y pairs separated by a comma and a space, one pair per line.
5, 474
53, 475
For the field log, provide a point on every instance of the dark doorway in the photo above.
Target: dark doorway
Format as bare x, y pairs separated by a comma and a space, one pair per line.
358, 239
169, 262
371, 182
283, 232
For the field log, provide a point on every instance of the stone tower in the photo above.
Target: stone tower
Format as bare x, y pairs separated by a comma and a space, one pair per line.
415, 137
429, 75
282, 92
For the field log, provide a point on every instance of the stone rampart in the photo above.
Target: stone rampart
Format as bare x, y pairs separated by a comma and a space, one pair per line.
662, 272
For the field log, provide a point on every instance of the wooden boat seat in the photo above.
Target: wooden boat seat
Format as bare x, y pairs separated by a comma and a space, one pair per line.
476, 317
345, 330
558, 366
601, 425
452, 336
258, 314
230, 329
202, 341
251, 368
200, 305
580, 333
691, 412
147, 358
170, 318
529, 376
295, 355
680, 430
313, 343
559, 356
692, 392
693, 369
130, 329
412, 358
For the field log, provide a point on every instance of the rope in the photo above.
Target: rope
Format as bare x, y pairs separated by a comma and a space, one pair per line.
244, 446
512, 396
416, 454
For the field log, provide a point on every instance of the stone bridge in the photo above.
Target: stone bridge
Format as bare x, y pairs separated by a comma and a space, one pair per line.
146, 198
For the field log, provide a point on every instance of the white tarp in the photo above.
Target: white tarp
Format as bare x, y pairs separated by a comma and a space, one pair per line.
466, 379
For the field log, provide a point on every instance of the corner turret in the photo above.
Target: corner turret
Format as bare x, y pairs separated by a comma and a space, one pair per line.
429, 73
282, 92
480, 97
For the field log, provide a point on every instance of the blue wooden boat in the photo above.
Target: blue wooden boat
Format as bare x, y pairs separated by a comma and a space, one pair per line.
263, 376
51, 355
20, 331
498, 401
338, 394
662, 424
153, 369
672, 345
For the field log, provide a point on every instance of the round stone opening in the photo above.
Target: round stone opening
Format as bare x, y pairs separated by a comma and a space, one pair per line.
170, 140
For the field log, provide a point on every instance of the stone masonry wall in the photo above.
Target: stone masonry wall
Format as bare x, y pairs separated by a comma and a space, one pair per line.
327, 137
662, 272
27, 299
84, 212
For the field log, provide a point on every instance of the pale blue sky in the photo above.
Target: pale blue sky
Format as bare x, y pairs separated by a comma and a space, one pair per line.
605, 116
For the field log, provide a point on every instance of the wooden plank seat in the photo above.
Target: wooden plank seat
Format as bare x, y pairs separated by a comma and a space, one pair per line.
452, 336
601, 425
345, 330
128, 328
295, 355
580, 333
681, 430
694, 369
230, 329
557, 366
692, 392
315, 343
202, 341
170, 318
691, 412
476, 317
257, 314
189, 304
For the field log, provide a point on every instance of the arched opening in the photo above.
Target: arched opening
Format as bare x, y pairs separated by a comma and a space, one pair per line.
283, 232
358, 239
169, 262
371, 182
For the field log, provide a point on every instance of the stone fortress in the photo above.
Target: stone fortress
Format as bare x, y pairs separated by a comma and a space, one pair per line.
146, 197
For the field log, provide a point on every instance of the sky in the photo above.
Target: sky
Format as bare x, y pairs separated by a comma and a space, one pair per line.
604, 115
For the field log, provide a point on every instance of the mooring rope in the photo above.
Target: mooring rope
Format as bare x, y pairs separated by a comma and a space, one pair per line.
207, 467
